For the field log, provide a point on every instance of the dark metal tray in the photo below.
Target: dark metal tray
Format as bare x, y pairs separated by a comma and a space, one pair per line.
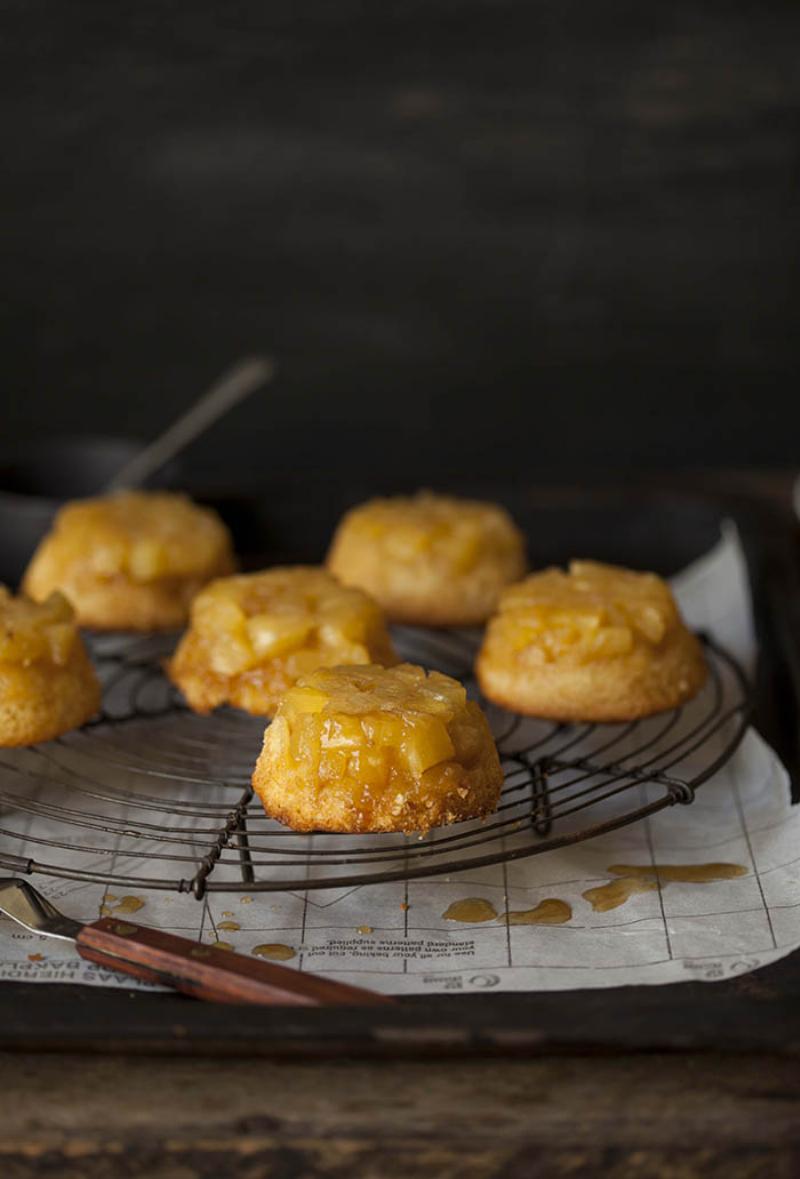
646, 529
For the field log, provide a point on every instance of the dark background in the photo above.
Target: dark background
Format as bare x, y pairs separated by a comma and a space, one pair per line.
481, 238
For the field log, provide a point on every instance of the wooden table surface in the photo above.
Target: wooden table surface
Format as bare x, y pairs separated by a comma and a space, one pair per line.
627, 1116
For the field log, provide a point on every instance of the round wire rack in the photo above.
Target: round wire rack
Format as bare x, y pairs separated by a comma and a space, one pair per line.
150, 795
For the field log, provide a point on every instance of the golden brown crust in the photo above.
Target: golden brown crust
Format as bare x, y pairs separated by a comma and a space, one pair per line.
429, 560
393, 760
339, 817
623, 689
47, 682
40, 702
132, 561
556, 667
224, 658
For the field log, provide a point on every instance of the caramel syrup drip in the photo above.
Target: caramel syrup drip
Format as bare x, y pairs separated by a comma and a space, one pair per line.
617, 892
680, 873
471, 909
637, 878
123, 905
550, 911
275, 951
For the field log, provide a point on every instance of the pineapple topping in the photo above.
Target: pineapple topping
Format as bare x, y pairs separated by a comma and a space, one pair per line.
592, 612
250, 620
31, 631
459, 533
142, 535
373, 726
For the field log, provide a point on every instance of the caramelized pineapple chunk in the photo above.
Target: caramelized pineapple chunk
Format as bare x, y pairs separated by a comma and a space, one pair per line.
31, 630
307, 699
427, 743
429, 559
591, 612
251, 637
594, 643
132, 560
272, 635
370, 748
47, 684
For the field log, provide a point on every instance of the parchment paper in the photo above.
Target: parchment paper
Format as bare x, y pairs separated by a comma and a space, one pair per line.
395, 937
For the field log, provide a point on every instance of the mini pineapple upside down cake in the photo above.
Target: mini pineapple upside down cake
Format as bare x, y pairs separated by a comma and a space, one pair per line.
131, 561
597, 643
47, 683
355, 749
252, 636
429, 560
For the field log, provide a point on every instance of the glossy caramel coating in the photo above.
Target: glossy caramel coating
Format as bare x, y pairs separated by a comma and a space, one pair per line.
595, 643
356, 749
252, 636
47, 683
430, 560
131, 561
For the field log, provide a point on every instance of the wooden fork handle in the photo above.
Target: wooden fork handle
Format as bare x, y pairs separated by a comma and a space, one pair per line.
208, 972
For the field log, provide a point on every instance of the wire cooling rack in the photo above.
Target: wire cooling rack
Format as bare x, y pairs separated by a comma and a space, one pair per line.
150, 795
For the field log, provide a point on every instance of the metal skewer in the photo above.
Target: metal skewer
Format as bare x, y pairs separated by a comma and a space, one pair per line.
232, 387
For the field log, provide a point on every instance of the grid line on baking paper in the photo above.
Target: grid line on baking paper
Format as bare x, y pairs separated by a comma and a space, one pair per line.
149, 795
648, 833
745, 831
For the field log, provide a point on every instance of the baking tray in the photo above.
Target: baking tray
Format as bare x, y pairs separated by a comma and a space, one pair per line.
642, 527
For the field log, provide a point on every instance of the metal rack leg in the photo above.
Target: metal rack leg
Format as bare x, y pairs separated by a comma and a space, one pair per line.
243, 846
